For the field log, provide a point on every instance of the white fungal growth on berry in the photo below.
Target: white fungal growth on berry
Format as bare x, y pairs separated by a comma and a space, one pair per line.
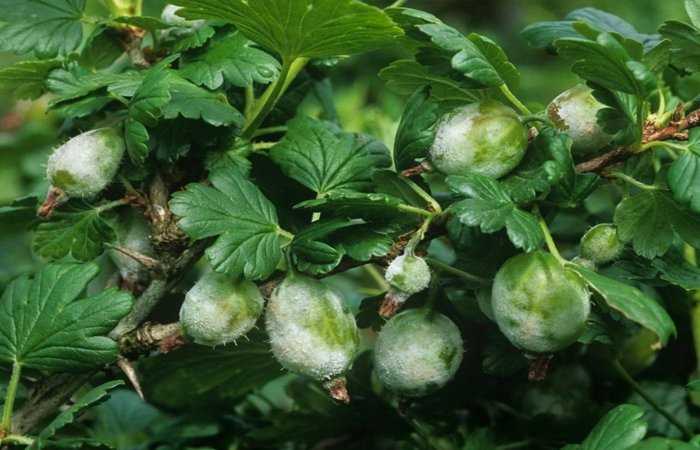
133, 233
417, 352
409, 274
86, 164
170, 17
310, 330
575, 113
601, 244
219, 310
485, 138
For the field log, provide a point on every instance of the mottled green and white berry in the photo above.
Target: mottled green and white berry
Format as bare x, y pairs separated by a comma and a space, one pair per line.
86, 164
540, 305
574, 112
311, 332
417, 352
218, 310
409, 274
134, 234
601, 244
486, 138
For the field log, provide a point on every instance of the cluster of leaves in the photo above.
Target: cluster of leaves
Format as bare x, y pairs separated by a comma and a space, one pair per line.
208, 104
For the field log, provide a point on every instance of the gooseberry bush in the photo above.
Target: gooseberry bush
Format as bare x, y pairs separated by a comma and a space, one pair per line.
222, 267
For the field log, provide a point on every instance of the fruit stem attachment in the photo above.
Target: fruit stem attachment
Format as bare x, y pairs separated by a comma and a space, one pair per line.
446, 268
54, 198
10, 396
551, 246
514, 100
634, 182
338, 389
622, 372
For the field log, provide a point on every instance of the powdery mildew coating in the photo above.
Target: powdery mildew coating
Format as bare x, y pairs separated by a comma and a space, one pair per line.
170, 17
574, 112
86, 164
409, 274
310, 330
133, 233
601, 244
219, 310
417, 352
539, 305
485, 138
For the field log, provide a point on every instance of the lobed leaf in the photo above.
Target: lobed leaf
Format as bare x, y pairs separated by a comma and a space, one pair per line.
43, 324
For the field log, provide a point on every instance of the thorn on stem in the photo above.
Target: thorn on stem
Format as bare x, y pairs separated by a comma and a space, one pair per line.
131, 374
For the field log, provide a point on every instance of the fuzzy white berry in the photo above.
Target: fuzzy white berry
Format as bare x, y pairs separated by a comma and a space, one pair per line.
311, 332
417, 352
408, 274
133, 233
601, 244
86, 164
485, 138
574, 112
219, 310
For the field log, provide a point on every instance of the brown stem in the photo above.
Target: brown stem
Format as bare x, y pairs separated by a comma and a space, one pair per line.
677, 129
54, 198
151, 336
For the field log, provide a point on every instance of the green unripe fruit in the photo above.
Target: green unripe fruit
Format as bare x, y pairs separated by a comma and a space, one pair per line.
311, 332
86, 164
417, 352
133, 233
601, 244
219, 310
539, 305
574, 112
485, 138
408, 274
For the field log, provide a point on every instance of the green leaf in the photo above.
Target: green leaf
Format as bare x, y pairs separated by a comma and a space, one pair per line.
658, 443
672, 398
191, 38
136, 137
325, 160
651, 219
619, 117
77, 82
198, 376
231, 58
80, 233
302, 28
313, 254
618, 430
685, 44
489, 207
607, 63
543, 34
692, 7
477, 57
632, 303
245, 221
21, 211
548, 161
406, 76
360, 205
68, 416
684, 174
365, 242
678, 272
47, 28
43, 325
193, 102
26, 79
486, 63
416, 131
151, 97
